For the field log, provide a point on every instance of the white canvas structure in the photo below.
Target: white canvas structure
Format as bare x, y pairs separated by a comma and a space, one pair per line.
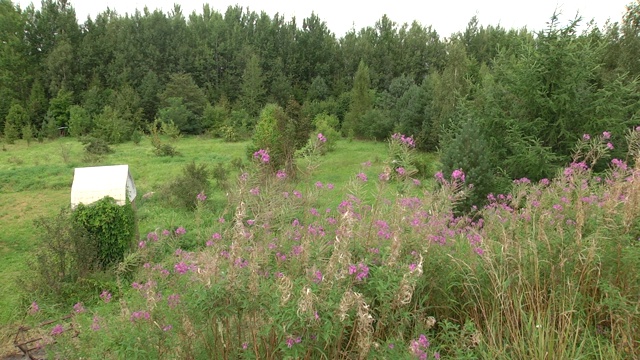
91, 184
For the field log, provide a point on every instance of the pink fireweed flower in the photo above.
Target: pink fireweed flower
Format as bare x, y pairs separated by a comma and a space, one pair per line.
318, 276
281, 174
413, 267
401, 171
221, 220
321, 138
262, 155
330, 186
95, 325
152, 236
34, 308
209, 243
142, 244
181, 268
167, 327
319, 184
458, 174
545, 182
166, 232
586, 137
383, 177
57, 330
606, 135
314, 212
416, 182
245, 346
251, 222
362, 177
78, 308
105, 296
609, 146
619, 164
297, 194
139, 315
216, 236
201, 196
173, 300
255, 191
439, 177
181, 231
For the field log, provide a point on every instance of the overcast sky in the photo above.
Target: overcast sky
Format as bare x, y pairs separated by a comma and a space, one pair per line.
445, 16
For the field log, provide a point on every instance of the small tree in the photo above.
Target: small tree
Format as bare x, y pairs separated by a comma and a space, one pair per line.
27, 133
10, 132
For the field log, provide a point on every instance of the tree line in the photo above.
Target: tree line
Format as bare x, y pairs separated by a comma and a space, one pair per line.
522, 97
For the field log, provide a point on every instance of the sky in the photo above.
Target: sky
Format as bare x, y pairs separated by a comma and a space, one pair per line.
445, 16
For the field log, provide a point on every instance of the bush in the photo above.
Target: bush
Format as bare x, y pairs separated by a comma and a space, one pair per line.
96, 146
66, 253
183, 190
111, 228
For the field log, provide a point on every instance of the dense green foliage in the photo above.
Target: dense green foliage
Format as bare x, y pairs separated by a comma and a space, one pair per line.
111, 227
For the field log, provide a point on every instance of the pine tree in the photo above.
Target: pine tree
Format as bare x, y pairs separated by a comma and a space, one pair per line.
253, 90
361, 103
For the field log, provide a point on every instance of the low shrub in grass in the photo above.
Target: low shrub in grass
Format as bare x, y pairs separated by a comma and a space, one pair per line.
184, 189
78, 246
549, 268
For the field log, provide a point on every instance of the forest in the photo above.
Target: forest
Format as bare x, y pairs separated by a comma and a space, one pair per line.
500, 103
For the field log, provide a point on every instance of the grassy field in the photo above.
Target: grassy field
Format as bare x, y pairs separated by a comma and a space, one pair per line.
36, 180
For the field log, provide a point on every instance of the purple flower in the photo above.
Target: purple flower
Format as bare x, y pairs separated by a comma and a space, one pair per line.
105, 296
606, 135
281, 174
34, 308
245, 346
181, 268
139, 315
142, 244
330, 186
439, 177
173, 300
586, 137
610, 146
458, 174
321, 138
57, 330
401, 171
319, 184
166, 232
167, 327
78, 308
362, 177
383, 177
201, 196
262, 155
318, 275
181, 231
95, 326
152, 236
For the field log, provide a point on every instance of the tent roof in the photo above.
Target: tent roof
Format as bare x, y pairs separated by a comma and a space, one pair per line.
91, 184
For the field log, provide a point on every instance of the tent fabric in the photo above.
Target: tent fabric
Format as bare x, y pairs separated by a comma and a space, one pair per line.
91, 184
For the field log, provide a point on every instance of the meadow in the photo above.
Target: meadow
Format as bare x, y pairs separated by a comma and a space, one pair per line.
356, 258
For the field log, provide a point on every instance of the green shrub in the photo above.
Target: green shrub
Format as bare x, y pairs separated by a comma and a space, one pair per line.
65, 254
183, 190
111, 227
96, 146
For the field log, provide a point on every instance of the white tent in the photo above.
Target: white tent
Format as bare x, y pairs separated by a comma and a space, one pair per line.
91, 184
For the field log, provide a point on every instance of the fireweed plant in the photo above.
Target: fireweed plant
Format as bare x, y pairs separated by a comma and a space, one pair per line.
550, 268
